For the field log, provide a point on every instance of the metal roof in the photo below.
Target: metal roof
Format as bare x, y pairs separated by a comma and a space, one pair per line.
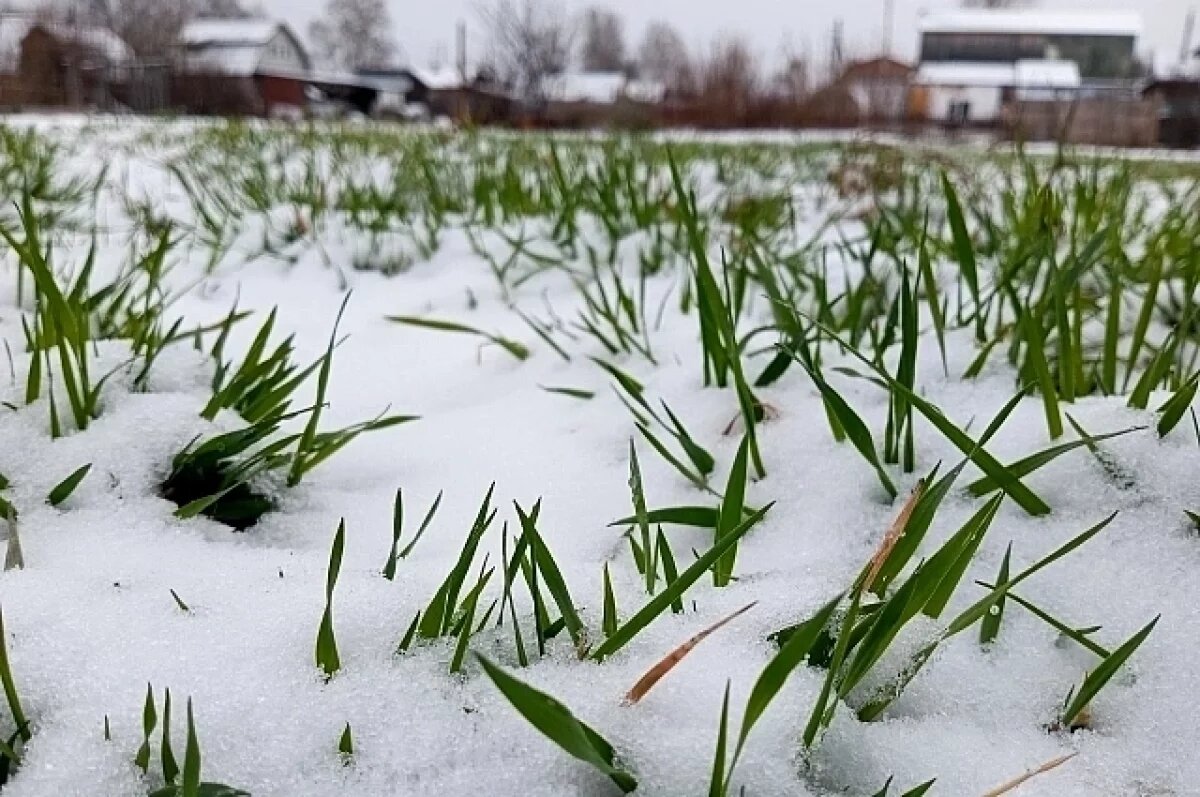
965, 73
229, 32
1079, 23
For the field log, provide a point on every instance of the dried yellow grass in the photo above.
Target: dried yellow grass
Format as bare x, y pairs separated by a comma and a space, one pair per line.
893, 535
1013, 784
658, 671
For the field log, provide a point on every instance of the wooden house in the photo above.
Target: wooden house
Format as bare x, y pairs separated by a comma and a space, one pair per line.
51, 64
240, 66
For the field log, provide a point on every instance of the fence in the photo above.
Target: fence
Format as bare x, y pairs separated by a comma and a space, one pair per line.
1106, 122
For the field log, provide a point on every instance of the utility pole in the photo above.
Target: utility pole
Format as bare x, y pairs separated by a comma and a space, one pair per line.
889, 25
836, 53
1185, 49
461, 51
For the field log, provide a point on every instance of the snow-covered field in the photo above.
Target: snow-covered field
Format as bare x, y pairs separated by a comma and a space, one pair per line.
514, 239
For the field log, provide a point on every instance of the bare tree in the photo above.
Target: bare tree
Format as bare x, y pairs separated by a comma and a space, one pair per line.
729, 77
150, 27
354, 34
224, 9
662, 56
530, 40
603, 40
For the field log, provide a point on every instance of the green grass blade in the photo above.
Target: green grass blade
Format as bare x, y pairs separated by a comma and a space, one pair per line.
553, 577
428, 519
777, 671
1030, 464
326, 650
716, 782
149, 722
1034, 345
570, 392
1025, 498
10, 689
731, 512
974, 531
608, 624
191, 758
637, 492
305, 443
964, 248
556, 722
1099, 677
389, 568
854, 427
63, 490
701, 517
170, 766
989, 626
1177, 406
660, 602
669, 568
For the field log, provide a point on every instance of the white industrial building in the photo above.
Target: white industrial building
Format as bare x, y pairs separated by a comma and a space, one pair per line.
973, 62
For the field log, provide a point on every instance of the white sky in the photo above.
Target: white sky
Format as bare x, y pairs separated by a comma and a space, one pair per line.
425, 29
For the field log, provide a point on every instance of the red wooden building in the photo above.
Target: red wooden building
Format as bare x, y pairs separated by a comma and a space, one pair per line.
241, 66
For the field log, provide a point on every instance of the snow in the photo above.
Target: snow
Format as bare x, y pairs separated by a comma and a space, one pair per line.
242, 47
438, 78
90, 619
228, 32
1034, 21
965, 73
602, 88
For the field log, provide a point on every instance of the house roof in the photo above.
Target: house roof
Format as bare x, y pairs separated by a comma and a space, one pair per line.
965, 73
15, 27
228, 32
440, 79
1082, 23
876, 68
1033, 73
231, 46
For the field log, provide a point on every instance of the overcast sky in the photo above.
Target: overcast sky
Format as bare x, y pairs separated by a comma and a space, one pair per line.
425, 30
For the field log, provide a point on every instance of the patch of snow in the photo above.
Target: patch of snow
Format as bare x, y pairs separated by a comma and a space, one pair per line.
966, 73
91, 619
228, 32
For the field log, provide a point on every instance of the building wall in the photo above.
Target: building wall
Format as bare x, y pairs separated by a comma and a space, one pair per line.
55, 73
41, 73
984, 102
881, 99
1178, 104
215, 94
282, 54
468, 105
280, 92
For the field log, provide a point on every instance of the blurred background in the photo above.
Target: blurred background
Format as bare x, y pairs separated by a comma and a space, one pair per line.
1118, 74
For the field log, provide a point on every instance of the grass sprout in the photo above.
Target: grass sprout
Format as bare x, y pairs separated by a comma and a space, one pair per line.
557, 723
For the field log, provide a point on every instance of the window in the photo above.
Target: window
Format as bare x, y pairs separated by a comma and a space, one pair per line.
959, 112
